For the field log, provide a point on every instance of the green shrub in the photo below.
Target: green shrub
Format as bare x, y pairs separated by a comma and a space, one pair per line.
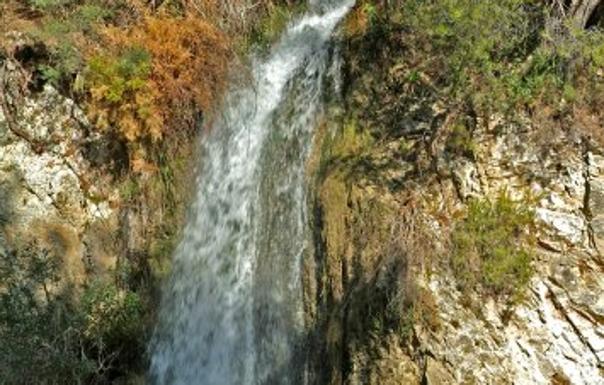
113, 316
64, 58
65, 24
51, 336
39, 327
118, 77
88, 14
477, 45
492, 246
495, 56
122, 96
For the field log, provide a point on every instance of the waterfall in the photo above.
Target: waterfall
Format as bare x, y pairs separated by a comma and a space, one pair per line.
231, 313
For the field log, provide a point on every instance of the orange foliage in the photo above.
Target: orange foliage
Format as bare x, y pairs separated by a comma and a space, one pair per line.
188, 63
357, 21
189, 57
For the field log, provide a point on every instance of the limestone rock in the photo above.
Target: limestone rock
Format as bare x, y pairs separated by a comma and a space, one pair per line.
44, 178
466, 176
556, 334
436, 373
387, 365
596, 197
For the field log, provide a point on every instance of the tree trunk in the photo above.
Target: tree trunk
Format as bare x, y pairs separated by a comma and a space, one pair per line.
579, 10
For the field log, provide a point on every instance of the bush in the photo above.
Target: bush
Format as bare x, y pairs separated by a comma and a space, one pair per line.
171, 68
113, 320
92, 50
50, 336
40, 344
122, 95
66, 29
492, 246
476, 44
493, 56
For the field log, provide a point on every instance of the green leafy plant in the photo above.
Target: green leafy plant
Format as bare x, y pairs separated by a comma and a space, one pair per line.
50, 335
115, 78
492, 246
112, 315
38, 323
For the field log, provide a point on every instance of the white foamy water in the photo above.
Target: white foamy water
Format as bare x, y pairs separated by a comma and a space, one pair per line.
231, 313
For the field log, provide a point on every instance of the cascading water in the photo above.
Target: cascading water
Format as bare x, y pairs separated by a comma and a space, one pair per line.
232, 311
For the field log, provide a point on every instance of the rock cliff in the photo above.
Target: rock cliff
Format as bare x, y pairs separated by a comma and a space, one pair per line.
49, 186
393, 180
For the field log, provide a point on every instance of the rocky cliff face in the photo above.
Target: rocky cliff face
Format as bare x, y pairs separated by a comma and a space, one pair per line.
77, 191
392, 183
555, 334
86, 232
51, 191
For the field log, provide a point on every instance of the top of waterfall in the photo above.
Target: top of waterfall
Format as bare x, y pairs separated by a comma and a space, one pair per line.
327, 20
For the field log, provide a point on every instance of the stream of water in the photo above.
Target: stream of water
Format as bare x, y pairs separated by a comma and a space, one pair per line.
231, 313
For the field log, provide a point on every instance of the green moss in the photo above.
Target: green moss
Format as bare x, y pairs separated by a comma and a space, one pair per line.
129, 189
492, 246
160, 251
334, 198
351, 141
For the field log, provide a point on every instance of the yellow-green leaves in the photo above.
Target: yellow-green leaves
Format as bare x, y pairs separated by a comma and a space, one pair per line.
492, 246
115, 77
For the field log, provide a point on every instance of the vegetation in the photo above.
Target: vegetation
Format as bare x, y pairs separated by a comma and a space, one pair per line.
478, 62
140, 67
159, 73
268, 28
145, 72
352, 141
50, 337
460, 140
492, 246
122, 95
494, 56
